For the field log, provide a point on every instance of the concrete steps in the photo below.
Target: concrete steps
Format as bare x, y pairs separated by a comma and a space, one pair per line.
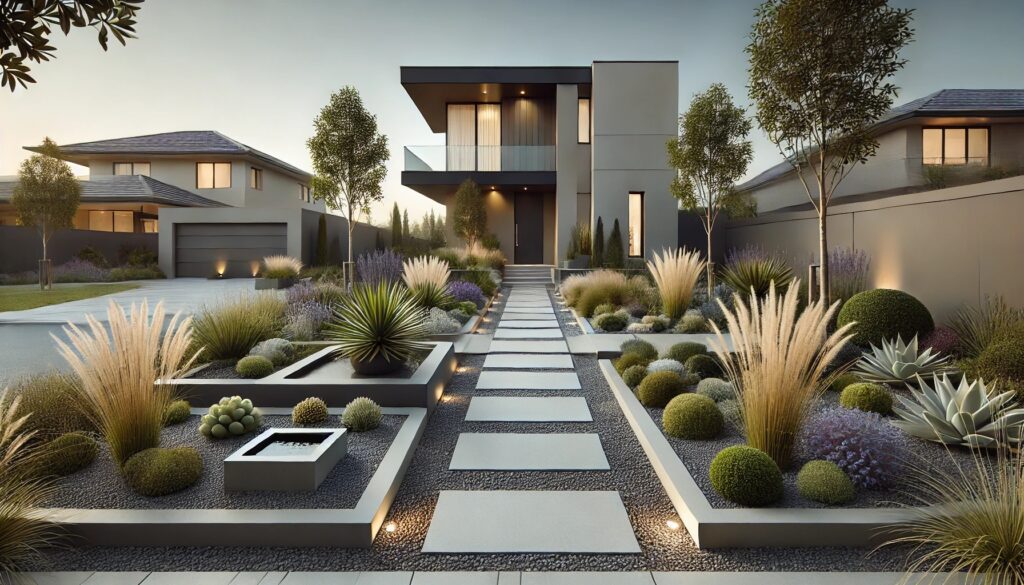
528, 275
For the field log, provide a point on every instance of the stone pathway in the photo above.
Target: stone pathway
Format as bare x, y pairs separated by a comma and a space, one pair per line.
529, 358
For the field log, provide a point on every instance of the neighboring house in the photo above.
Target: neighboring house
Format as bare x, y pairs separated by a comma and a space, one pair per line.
953, 136
552, 147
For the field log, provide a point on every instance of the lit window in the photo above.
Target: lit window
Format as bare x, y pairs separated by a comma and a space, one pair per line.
584, 121
954, 146
124, 221
255, 178
131, 168
213, 175
151, 226
305, 194
101, 221
636, 224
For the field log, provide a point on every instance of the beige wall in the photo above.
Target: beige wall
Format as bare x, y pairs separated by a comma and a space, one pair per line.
567, 175
946, 247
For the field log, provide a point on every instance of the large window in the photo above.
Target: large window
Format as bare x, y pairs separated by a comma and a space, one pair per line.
954, 146
636, 224
213, 175
111, 221
474, 137
151, 226
255, 178
305, 194
131, 168
584, 121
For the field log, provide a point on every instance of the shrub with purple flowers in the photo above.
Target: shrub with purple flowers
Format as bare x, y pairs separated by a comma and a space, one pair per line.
862, 444
466, 291
305, 319
848, 272
942, 340
76, 270
379, 266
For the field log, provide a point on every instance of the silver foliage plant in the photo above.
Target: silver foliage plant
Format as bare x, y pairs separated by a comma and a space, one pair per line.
899, 362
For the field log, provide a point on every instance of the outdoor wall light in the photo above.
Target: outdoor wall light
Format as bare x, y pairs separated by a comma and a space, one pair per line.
672, 524
522, 92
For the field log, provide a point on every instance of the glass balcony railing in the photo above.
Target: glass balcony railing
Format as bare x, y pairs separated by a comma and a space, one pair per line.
441, 158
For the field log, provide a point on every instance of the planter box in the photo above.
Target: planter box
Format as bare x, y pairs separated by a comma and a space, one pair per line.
271, 461
274, 283
576, 263
467, 329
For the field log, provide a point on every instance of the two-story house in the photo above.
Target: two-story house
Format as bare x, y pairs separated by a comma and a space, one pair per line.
552, 147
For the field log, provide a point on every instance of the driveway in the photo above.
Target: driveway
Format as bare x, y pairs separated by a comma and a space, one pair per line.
25, 335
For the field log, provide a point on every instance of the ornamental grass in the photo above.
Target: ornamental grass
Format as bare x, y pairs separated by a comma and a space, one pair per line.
427, 279
676, 272
281, 267
228, 330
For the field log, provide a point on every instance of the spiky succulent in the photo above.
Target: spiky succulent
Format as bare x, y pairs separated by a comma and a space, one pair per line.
968, 414
899, 362
377, 320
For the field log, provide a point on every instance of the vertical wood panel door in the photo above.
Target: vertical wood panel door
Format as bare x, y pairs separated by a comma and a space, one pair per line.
529, 229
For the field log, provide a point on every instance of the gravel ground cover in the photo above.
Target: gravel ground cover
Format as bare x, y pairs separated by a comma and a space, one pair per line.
631, 475
340, 490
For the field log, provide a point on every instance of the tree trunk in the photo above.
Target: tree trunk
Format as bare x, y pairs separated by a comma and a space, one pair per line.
823, 275
710, 268
351, 230
44, 268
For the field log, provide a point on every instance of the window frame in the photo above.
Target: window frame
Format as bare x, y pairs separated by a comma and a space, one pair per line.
476, 131
967, 144
256, 178
113, 220
305, 193
590, 120
131, 165
213, 174
643, 227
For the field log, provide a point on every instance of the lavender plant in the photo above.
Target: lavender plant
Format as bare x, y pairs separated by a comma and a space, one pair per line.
461, 290
848, 271
76, 270
379, 266
862, 444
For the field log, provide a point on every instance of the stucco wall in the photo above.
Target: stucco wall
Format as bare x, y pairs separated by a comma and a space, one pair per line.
567, 177
22, 246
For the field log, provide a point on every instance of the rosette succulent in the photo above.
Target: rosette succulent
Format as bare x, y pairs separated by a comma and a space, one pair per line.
230, 417
899, 362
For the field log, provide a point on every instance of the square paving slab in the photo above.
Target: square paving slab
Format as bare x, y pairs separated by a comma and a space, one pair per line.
519, 346
528, 334
521, 303
497, 380
538, 324
530, 522
546, 309
528, 409
526, 316
528, 361
528, 452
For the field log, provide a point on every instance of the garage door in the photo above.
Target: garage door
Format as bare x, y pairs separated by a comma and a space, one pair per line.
201, 250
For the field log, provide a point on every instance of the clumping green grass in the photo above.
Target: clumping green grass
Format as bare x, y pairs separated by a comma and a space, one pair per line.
19, 298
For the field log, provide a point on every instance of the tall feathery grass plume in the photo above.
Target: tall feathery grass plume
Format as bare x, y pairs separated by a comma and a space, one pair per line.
676, 272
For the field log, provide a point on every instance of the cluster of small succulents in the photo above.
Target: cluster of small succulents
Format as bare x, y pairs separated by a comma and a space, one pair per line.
362, 414
279, 351
254, 366
232, 416
311, 411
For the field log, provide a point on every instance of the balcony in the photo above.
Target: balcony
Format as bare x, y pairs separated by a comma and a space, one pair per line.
490, 159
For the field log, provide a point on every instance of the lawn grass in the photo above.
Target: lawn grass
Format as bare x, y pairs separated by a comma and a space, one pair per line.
19, 298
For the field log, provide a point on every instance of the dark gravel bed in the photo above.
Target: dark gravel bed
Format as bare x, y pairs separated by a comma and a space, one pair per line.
219, 370
697, 457
341, 490
631, 475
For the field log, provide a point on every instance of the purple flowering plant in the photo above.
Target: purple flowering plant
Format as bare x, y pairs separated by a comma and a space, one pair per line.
862, 444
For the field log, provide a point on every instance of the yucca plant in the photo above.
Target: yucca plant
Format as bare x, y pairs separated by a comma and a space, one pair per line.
378, 328
281, 267
118, 368
427, 279
227, 331
676, 272
897, 362
977, 327
969, 521
777, 362
751, 269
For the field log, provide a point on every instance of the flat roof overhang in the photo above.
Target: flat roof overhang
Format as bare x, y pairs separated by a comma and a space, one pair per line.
439, 184
432, 88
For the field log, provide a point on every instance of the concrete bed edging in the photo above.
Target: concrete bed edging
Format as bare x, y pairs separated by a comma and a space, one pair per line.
350, 528
469, 327
743, 527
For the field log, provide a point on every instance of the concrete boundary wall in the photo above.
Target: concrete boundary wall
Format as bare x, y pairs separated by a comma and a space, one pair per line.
21, 247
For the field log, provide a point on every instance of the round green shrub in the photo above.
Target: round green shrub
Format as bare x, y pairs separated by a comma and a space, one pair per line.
692, 416
692, 324
230, 417
611, 322
823, 481
685, 350
254, 366
177, 412
883, 314
641, 348
467, 307
746, 476
730, 410
840, 382
159, 471
633, 375
629, 359
1003, 360
716, 389
68, 453
867, 397
658, 388
311, 411
605, 308
703, 365
362, 414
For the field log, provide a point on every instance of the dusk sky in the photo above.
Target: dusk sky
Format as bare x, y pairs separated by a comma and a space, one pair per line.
259, 71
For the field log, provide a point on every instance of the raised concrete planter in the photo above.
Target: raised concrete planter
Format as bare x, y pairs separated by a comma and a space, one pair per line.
332, 380
746, 527
274, 283
349, 528
285, 460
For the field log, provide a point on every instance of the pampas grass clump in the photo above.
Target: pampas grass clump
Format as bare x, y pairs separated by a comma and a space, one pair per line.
118, 367
676, 273
281, 267
778, 364
427, 280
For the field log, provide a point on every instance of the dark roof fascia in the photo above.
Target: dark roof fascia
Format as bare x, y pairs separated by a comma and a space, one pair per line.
474, 74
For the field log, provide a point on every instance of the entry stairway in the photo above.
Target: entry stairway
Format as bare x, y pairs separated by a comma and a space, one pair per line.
528, 275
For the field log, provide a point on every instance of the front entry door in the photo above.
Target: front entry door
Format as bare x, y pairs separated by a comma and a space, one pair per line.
529, 228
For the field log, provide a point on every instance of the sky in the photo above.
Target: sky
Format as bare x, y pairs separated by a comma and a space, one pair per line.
260, 70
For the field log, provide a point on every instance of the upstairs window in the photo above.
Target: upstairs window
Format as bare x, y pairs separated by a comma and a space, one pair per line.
584, 121
255, 178
213, 175
305, 194
131, 168
954, 146
636, 224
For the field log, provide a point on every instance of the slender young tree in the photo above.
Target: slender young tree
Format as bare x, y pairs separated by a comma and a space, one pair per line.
470, 216
349, 157
598, 260
615, 256
406, 233
710, 155
46, 197
820, 74
396, 227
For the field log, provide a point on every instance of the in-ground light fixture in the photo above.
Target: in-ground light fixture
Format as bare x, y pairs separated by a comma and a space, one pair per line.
672, 524
390, 527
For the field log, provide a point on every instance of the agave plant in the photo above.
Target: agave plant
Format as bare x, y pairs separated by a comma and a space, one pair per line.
967, 414
377, 327
427, 279
898, 362
752, 269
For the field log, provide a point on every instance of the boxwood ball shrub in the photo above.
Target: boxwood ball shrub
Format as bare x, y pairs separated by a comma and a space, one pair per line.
867, 397
840, 382
160, 471
254, 366
1003, 360
692, 416
311, 411
633, 375
629, 359
693, 324
230, 417
640, 347
362, 414
703, 366
177, 412
883, 314
685, 350
746, 476
824, 482
716, 389
68, 453
658, 388
611, 322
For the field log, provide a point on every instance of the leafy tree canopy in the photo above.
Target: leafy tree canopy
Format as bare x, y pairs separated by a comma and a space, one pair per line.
470, 217
47, 194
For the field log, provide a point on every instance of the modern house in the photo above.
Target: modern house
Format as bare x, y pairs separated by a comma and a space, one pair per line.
551, 147
952, 136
